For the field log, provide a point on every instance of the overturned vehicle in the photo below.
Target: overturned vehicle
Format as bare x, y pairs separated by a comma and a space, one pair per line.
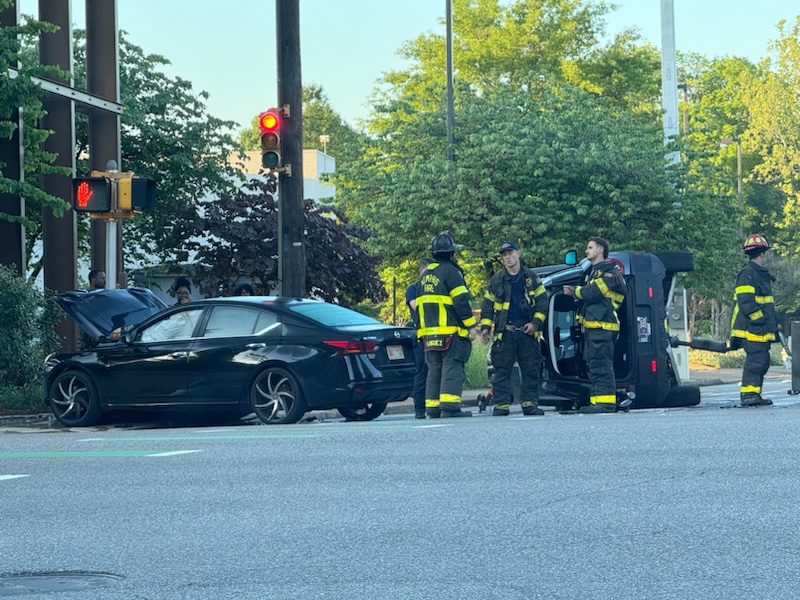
645, 368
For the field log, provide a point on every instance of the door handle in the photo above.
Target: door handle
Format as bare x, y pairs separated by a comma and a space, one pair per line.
256, 345
177, 355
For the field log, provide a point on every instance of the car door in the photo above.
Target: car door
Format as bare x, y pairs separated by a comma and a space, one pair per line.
230, 345
153, 367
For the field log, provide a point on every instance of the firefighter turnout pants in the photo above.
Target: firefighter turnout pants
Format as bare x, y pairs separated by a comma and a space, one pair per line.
446, 376
598, 352
756, 365
516, 346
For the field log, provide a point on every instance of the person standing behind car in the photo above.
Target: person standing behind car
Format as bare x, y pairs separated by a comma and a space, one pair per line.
600, 297
183, 290
446, 328
97, 280
754, 324
516, 304
420, 368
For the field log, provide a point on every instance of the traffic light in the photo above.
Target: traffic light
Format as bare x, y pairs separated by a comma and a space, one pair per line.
91, 194
270, 124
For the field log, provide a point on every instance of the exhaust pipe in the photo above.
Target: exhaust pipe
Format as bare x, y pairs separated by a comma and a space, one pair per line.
701, 344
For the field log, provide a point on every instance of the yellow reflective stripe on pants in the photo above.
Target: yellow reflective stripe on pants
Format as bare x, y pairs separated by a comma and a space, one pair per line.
750, 389
431, 403
606, 399
746, 335
449, 399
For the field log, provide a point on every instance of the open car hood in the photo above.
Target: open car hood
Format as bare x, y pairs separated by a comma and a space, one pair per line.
100, 312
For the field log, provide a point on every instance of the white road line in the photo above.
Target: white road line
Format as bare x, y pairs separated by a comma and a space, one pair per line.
174, 453
5, 477
432, 426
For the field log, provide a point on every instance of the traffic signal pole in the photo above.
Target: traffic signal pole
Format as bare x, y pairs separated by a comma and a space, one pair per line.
291, 216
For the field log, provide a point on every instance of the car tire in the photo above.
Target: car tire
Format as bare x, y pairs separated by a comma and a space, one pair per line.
276, 397
373, 410
73, 399
676, 261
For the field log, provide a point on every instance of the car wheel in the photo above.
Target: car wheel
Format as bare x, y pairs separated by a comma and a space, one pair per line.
73, 399
276, 397
371, 411
676, 261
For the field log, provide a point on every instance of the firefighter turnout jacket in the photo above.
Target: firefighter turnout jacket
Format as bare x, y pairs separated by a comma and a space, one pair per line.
602, 295
443, 302
497, 301
754, 314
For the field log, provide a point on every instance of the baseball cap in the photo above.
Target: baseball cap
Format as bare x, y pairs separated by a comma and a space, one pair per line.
508, 247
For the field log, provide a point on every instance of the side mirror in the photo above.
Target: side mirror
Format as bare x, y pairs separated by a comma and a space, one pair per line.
571, 258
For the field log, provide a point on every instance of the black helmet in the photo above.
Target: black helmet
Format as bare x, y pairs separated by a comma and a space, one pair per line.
444, 242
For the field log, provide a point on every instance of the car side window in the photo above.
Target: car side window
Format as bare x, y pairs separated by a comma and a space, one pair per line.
177, 326
231, 321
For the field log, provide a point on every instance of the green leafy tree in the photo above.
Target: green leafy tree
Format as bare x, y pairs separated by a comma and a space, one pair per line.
22, 92
167, 135
236, 236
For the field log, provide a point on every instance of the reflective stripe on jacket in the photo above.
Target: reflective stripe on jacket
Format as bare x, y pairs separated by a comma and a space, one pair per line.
754, 314
443, 301
497, 301
602, 295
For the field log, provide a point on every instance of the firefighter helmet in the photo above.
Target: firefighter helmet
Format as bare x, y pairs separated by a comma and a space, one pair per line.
444, 242
755, 244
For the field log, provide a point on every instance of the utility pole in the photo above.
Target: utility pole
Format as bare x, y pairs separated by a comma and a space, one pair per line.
291, 216
450, 109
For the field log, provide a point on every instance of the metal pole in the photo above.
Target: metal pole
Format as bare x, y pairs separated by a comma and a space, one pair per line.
669, 85
450, 109
739, 183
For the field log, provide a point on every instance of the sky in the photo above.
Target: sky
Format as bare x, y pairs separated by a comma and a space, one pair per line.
228, 49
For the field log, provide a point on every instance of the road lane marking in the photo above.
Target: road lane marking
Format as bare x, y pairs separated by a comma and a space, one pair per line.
173, 453
7, 477
194, 438
101, 454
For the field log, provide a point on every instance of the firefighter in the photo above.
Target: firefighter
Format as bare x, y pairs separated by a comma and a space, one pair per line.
446, 328
420, 368
754, 325
600, 296
516, 304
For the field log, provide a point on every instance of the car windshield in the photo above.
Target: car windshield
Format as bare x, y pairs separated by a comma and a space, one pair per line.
332, 314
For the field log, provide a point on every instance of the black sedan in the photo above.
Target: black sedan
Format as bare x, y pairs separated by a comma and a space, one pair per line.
273, 356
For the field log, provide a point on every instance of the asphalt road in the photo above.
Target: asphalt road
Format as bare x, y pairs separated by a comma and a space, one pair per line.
698, 502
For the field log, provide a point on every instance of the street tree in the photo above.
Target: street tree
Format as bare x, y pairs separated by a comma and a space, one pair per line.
236, 236
167, 135
22, 93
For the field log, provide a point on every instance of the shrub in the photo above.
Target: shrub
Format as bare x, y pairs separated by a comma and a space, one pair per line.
477, 377
27, 328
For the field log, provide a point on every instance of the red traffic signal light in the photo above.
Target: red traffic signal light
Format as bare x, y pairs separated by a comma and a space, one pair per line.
91, 194
270, 124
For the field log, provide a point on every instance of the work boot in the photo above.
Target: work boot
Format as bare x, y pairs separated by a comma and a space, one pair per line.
597, 408
532, 411
434, 413
750, 399
765, 402
499, 412
419, 414
448, 414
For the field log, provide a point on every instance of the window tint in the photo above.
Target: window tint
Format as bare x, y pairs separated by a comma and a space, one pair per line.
332, 314
175, 327
265, 319
230, 321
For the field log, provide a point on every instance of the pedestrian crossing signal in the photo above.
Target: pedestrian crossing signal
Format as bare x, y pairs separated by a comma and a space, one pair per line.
91, 194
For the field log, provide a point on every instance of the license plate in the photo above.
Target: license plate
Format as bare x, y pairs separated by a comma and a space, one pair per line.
395, 352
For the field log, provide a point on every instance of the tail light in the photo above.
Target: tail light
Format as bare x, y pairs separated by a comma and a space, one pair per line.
344, 347
653, 366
